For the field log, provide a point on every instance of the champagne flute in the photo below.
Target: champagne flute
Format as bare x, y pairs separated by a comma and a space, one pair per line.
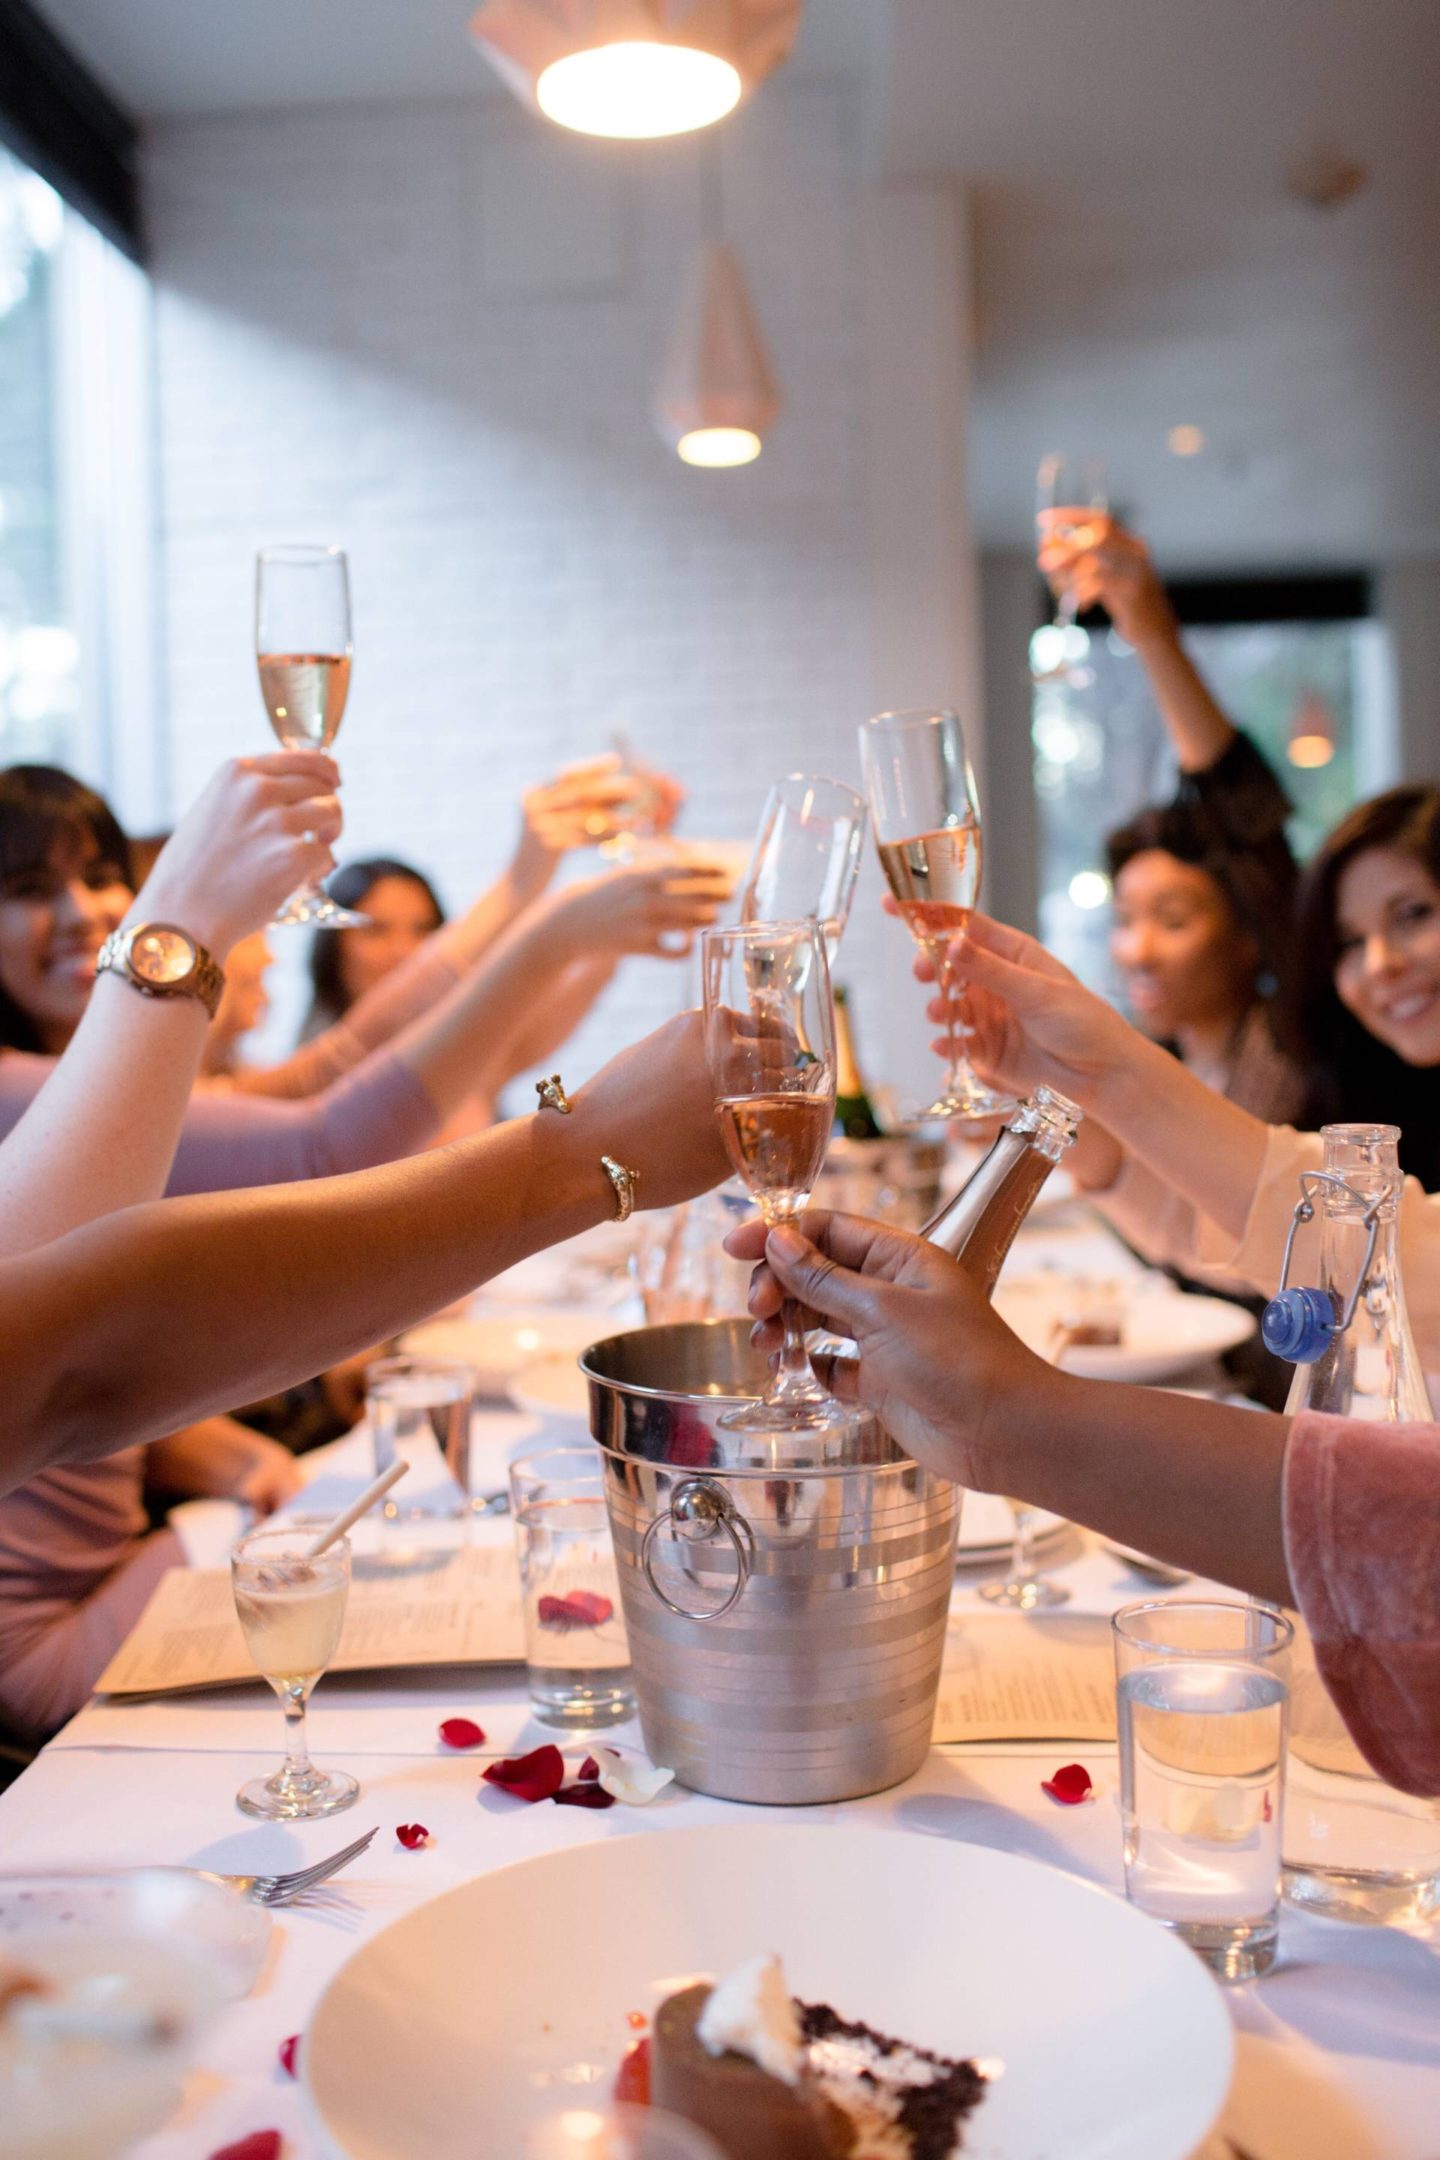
303, 649
806, 857
927, 833
291, 1607
770, 1044
1071, 506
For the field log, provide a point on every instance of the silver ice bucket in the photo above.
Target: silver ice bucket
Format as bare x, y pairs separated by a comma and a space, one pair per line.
785, 1597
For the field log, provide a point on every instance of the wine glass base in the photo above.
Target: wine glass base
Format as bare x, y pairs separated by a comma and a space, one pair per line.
964, 1103
282, 1798
318, 908
1031, 1596
824, 1415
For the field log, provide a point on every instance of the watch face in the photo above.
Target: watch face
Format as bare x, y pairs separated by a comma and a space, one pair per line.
162, 956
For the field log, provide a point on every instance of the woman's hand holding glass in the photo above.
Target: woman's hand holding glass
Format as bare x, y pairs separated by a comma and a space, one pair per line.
583, 804
651, 1108
261, 826
652, 908
770, 1042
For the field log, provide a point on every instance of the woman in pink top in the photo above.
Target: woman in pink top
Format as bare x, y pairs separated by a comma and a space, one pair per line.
75, 1565
1337, 1517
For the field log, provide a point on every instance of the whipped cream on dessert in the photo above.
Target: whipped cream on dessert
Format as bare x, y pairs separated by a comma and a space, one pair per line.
750, 2012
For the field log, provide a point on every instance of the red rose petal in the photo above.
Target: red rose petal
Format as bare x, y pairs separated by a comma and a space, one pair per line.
287, 2054
412, 1835
632, 2079
589, 1770
1069, 1786
260, 2145
536, 1776
579, 1608
461, 1732
583, 1796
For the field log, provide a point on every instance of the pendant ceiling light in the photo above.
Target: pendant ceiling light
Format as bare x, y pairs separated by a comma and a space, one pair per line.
1312, 732
716, 396
635, 67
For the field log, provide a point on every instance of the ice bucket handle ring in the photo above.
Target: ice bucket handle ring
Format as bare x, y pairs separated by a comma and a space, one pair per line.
697, 1512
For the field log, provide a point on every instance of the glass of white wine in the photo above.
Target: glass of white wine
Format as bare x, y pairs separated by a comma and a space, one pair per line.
927, 832
806, 856
770, 1043
303, 649
291, 1606
1071, 507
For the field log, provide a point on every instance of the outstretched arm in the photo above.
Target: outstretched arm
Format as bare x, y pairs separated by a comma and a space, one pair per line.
1196, 1483
140, 1324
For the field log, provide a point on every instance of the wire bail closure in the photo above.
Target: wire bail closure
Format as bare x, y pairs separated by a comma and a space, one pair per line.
1298, 1324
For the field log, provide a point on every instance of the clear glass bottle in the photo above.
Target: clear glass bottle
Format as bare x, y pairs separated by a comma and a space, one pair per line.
1370, 1368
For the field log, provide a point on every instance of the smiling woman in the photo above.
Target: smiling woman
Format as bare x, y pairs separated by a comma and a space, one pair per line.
65, 883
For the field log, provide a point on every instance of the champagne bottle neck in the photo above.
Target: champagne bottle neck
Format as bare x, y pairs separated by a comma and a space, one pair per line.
979, 1224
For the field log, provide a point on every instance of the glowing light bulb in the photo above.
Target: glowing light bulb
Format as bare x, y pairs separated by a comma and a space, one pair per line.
1089, 888
719, 446
636, 89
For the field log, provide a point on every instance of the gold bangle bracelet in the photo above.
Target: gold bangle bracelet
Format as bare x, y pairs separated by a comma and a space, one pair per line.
623, 1183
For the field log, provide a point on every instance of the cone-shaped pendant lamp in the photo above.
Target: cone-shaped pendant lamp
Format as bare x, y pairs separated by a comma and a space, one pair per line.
716, 395
635, 67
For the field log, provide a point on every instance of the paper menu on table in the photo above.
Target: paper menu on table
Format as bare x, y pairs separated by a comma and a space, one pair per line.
1026, 1676
449, 1608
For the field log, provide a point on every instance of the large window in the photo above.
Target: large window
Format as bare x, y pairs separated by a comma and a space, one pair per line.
1313, 693
77, 571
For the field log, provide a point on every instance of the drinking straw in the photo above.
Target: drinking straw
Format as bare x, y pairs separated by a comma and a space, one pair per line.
357, 1508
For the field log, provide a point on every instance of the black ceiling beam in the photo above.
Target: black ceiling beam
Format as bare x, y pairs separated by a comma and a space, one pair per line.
58, 118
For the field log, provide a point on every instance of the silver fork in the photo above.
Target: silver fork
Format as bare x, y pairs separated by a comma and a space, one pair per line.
284, 1889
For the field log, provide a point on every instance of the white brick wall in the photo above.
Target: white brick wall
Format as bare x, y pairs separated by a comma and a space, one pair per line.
429, 332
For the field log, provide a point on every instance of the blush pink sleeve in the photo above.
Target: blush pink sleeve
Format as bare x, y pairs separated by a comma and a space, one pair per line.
1362, 1537
405, 994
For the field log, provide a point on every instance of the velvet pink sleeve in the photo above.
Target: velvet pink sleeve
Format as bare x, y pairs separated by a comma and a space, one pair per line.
1362, 1537
405, 994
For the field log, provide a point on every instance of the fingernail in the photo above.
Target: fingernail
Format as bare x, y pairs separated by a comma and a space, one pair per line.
786, 1241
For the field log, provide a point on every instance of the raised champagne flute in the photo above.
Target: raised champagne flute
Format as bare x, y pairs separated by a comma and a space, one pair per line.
806, 857
770, 1044
303, 650
927, 832
1071, 506
291, 1607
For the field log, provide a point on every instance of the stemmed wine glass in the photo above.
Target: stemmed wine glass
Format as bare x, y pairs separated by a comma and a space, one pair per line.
770, 1043
291, 1606
806, 857
927, 833
1071, 505
303, 650
1024, 1588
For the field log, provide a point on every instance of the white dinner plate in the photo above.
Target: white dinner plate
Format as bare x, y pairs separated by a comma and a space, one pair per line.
1164, 1332
499, 1345
450, 2032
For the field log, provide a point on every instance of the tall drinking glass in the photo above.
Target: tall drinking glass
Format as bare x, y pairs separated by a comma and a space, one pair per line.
291, 1608
577, 1655
806, 857
770, 1043
303, 650
1071, 506
927, 831
1203, 1693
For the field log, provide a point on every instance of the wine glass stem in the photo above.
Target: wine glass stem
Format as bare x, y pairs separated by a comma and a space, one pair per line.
297, 1754
1022, 1554
795, 1368
946, 975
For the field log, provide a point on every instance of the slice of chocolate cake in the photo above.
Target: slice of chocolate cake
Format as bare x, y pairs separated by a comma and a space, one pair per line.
831, 2090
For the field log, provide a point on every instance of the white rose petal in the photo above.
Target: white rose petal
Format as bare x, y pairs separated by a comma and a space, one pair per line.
636, 1783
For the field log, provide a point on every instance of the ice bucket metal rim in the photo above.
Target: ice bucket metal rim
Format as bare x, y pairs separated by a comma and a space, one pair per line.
658, 1394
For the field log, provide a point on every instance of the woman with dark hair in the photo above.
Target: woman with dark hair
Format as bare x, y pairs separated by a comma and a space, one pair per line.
1367, 985
404, 909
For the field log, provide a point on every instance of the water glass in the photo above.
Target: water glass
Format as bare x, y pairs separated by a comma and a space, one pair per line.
419, 1409
576, 1653
1202, 1694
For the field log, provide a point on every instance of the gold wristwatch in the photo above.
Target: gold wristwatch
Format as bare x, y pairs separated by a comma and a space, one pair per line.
164, 961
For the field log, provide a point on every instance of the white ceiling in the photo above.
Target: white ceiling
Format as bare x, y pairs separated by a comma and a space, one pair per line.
1140, 260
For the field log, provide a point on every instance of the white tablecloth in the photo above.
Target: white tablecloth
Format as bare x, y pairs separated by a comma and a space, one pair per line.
1339, 2047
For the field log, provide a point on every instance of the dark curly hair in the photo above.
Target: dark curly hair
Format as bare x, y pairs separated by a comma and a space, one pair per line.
41, 808
350, 887
1351, 1074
